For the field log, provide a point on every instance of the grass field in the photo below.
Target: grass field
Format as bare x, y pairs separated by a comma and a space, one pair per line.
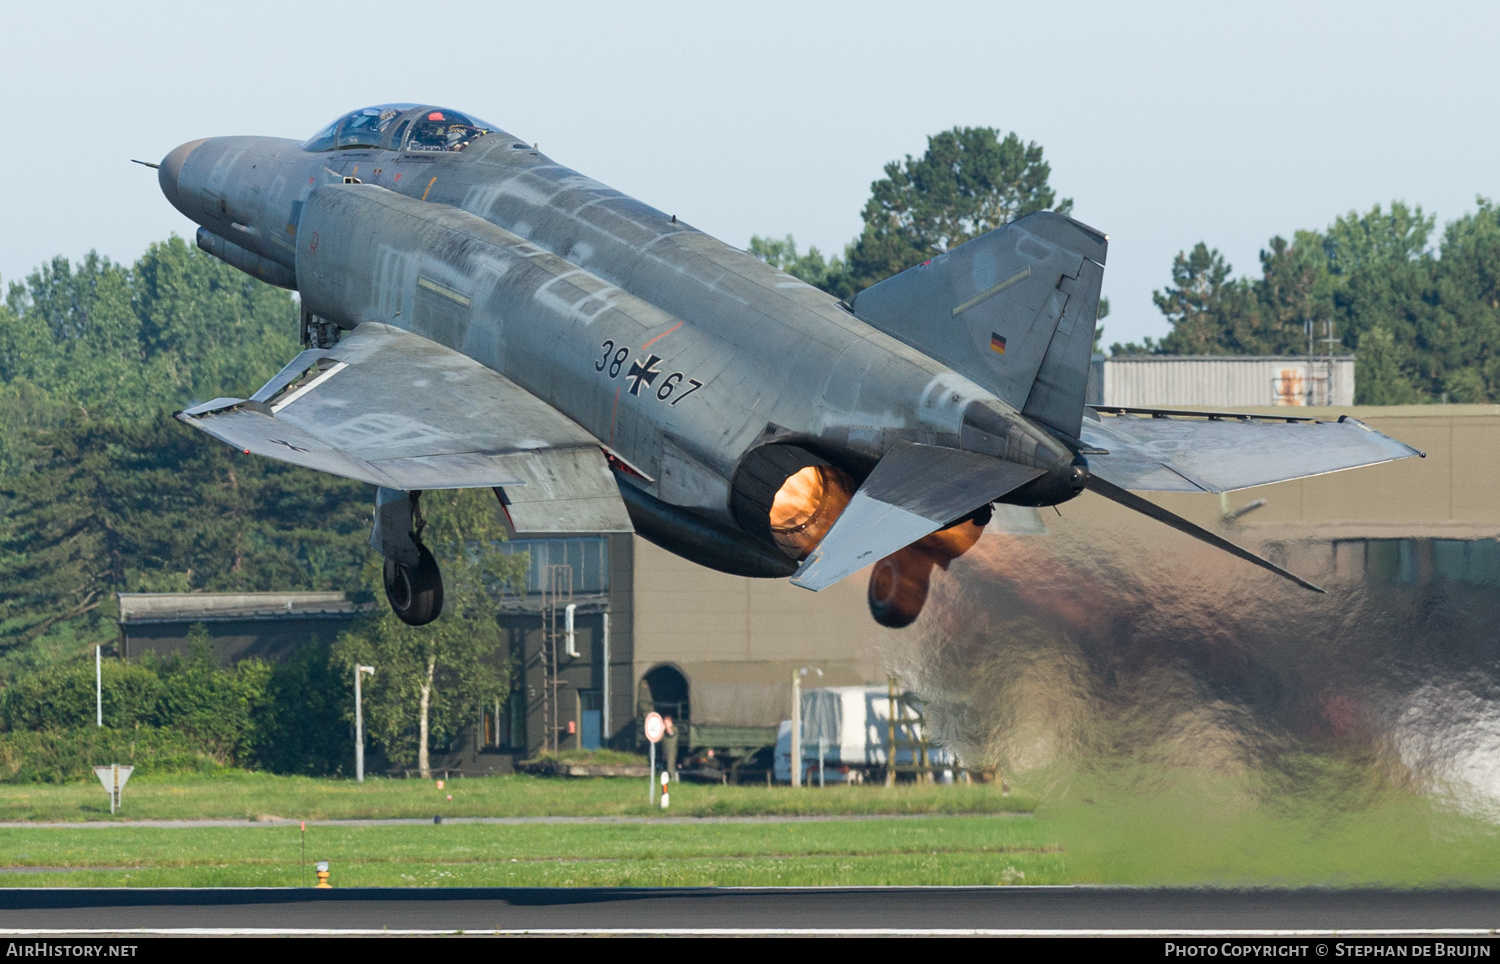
247, 796
971, 850
1183, 829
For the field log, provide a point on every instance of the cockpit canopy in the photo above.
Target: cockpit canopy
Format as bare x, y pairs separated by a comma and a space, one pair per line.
400, 127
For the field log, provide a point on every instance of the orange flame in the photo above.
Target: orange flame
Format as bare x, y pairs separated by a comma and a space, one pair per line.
899, 582
806, 507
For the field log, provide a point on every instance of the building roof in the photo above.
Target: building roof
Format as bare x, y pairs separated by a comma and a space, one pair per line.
209, 607
1239, 359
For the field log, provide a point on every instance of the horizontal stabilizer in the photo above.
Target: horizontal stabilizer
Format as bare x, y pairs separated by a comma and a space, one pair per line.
1132, 501
393, 409
915, 490
1167, 451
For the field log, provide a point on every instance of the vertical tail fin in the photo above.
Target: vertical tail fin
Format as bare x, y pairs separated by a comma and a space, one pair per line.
1013, 309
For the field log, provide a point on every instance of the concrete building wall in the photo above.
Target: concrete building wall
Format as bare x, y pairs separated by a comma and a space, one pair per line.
738, 640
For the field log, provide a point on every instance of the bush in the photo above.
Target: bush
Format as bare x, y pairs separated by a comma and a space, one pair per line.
191, 713
216, 706
62, 696
68, 756
300, 727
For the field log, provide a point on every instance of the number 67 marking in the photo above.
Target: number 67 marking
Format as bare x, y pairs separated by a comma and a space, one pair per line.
671, 383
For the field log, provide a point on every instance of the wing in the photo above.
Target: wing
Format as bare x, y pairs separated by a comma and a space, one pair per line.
394, 409
1165, 451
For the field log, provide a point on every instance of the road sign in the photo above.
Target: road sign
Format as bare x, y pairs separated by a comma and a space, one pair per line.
113, 777
654, 727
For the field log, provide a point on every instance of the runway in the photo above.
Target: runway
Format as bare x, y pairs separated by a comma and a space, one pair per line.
914, 911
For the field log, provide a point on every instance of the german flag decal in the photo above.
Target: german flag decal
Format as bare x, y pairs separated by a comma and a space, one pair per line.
997, 343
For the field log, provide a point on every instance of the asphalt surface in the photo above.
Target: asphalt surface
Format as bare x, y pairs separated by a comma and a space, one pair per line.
867, 910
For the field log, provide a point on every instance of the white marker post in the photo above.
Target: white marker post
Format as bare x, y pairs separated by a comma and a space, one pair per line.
113, 777
665, 796
654, 730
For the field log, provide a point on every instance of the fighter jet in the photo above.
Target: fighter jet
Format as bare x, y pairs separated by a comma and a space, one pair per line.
476, 314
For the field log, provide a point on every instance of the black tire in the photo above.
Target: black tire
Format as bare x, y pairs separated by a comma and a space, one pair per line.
898, 588
415, 592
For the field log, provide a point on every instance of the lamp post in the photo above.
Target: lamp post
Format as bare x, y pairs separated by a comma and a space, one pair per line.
359, 723
604, 730
797, 675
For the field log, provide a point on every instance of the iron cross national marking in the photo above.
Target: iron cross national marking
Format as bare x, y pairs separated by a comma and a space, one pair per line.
642, 372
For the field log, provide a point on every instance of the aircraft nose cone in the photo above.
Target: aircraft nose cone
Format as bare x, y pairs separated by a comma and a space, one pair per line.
170, 171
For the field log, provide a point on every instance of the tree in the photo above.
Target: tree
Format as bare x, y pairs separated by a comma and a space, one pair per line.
1462, 325
102, 491
302, 725
155, 506
1380, 380
104, 340
1377, 239
969, 181
1294, 297
1210, 312
827, 274
212, 329
1424, 325
431, 680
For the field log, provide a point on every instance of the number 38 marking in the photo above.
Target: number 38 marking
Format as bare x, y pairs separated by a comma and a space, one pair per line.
613, 359
613, 364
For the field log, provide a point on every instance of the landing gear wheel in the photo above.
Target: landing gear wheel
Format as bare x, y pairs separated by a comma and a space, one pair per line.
415, 592
898, 587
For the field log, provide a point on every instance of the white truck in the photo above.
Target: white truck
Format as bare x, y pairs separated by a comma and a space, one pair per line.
846, 737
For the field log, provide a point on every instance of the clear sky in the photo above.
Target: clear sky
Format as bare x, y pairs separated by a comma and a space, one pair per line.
1167, 123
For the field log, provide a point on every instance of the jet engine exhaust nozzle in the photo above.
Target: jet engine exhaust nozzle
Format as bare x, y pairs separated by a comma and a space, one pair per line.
807, 505
899, 582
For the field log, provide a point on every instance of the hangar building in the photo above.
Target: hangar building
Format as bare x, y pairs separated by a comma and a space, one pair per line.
717, 651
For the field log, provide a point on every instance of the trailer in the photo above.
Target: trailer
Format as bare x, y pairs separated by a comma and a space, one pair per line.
847, 734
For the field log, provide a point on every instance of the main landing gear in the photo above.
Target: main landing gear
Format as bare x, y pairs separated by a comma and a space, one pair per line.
413, 583
415, 592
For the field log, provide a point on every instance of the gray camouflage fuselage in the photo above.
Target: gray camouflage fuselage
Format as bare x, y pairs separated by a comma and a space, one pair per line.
547, 277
